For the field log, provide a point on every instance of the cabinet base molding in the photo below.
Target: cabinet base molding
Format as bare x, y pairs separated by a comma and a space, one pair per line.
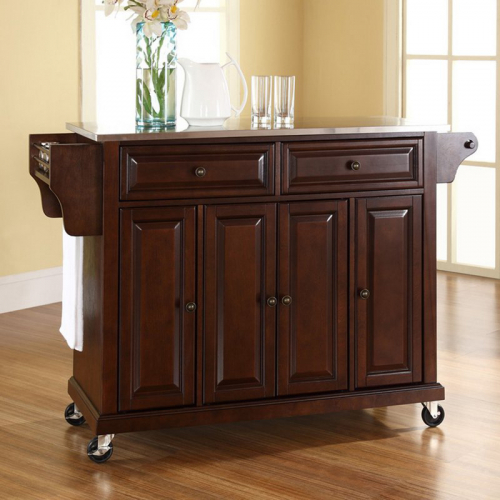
255, 410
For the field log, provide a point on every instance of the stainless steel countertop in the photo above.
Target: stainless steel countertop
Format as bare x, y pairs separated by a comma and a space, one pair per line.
241, 127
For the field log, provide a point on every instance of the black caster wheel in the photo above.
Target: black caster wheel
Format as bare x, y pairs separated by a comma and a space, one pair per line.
71, 418
98, 459
430, 420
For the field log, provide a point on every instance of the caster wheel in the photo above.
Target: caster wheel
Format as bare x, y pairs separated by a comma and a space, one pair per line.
98, 459
430, 420
71, 418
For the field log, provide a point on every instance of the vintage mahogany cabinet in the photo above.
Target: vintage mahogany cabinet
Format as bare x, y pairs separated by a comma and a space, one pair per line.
235, 274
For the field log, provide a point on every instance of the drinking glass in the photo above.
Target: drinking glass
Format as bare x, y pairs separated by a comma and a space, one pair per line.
261, 100
284, 101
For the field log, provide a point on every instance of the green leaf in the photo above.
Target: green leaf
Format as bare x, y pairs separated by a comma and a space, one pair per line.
148, 106
154, 77
158, 50
158, 80
161, 79
160, 92
143, 91
148, 52
162, 40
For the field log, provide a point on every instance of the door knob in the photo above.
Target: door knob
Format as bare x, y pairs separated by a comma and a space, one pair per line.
190, 307
200, 172
364, 294
355, 165
286, 300
272, 301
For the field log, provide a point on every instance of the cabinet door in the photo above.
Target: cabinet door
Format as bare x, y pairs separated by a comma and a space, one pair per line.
312, 355
240, 275
389, 268
156, 331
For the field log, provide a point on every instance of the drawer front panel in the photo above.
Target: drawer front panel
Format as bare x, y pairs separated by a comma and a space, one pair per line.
174, 172
323, 167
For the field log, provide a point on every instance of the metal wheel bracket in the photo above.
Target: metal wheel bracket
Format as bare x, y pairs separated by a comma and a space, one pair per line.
77, 414
432, 407
103, 444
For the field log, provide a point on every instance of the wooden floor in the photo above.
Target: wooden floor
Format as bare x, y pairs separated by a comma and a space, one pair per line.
386, 453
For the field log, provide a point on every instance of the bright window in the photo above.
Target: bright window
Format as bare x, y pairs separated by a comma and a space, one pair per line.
450, 67
108, 53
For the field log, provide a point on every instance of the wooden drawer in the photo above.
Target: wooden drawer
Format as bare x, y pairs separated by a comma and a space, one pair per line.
69, 175
173, 172
322, 167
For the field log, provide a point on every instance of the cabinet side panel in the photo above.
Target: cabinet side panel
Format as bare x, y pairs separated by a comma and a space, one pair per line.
87, 365
429, 258
96, 367
110, 278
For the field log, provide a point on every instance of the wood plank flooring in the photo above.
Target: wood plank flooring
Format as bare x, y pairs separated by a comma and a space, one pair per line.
387, 453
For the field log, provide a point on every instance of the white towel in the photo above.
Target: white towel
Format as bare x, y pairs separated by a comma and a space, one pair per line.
72, 303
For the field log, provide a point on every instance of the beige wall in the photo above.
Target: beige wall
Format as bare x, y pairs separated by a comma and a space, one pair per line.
343, 57
333, 47
271, 40
38, 94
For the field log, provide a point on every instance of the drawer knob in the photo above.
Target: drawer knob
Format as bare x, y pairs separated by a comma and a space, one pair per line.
200, 172
286, 300
355, 165
272, 301
470, 145
364, 294
190, 307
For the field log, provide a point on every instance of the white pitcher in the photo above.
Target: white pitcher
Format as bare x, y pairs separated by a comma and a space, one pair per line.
205, 99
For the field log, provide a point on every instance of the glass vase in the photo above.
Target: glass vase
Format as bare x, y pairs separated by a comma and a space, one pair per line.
155, 77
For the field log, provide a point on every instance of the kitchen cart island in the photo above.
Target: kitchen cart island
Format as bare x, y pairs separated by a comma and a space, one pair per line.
236, 274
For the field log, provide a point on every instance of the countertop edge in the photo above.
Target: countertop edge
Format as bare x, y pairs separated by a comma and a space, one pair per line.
234, 134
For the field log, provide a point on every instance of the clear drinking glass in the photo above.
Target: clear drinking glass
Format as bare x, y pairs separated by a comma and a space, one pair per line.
284, 101
261, 101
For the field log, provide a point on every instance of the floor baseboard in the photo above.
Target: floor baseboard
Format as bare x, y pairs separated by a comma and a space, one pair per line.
37, 288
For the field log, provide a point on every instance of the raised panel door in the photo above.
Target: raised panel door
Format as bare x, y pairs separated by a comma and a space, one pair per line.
240, 276
313, 308
388, 297
156, 331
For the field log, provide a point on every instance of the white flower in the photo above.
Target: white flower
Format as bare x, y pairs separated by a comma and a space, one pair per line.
159, 4
152, 13
138, 11
181, 19
153, 27
152, 18
109, 6
177, 16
